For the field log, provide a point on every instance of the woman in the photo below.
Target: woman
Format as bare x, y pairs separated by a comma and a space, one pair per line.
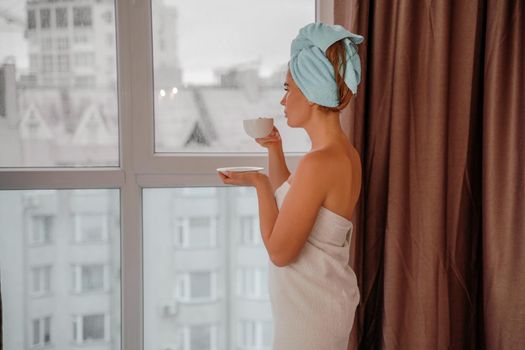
305, 219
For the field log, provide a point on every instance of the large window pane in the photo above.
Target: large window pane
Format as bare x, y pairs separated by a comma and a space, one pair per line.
58, 84
213, 71
60, 284
202, 296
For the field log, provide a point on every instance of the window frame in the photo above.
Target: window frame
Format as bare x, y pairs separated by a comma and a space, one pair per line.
139, 167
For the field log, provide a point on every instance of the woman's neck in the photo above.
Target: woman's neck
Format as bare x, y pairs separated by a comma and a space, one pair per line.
325, 129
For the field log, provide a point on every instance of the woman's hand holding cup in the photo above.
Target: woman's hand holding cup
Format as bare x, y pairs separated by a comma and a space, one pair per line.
273, 139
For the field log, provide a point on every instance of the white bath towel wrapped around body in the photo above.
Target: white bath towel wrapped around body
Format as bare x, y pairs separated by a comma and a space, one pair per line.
314, 299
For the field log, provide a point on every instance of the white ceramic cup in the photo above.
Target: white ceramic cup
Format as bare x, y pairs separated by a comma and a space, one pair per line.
258, 127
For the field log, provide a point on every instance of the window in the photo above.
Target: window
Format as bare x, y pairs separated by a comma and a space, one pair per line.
255, 334
41, 280
243, 80
195, 232
82, 16
90, 328
61, 17
91, 227
250, 233
85, 59
62, 279
198, 337
63, 63
196, 286
90, 278
145, 146
41, 229
45, 18
252, 282
31, 19
63, 43
41, 331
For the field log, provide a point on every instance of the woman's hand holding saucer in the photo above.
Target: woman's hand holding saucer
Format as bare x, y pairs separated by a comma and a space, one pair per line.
247, 178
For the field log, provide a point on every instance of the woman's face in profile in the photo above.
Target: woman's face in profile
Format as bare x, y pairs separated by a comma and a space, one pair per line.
296, 106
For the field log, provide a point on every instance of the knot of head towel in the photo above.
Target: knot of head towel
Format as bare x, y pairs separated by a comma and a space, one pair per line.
313, 72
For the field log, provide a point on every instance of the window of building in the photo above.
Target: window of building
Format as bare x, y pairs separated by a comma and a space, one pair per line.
255, 334
198, 337
41, 331
82, 16
252, 282
196, 286
91, 227
31, 19
90, 328
61, 17
63, 63
45, 18
41, 229
41, 280
90, 278
63, 43
195, 232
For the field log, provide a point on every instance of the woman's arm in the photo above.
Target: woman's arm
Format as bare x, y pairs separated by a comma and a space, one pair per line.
278, 170
268, 210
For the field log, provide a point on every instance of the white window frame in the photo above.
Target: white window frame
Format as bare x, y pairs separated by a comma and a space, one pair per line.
139, 167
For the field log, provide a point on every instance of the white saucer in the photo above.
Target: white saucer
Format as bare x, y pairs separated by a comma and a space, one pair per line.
239, 169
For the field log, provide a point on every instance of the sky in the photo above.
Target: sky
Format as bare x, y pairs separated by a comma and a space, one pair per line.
214, 34
211, 34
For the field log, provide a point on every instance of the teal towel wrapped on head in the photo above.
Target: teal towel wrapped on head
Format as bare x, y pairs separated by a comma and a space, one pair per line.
313, 72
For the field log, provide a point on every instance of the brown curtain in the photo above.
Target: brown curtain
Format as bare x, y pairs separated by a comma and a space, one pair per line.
439, 120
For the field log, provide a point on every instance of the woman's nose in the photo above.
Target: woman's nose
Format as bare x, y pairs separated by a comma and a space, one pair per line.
283, 101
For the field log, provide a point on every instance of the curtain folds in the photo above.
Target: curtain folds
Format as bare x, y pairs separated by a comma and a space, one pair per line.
439, 121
